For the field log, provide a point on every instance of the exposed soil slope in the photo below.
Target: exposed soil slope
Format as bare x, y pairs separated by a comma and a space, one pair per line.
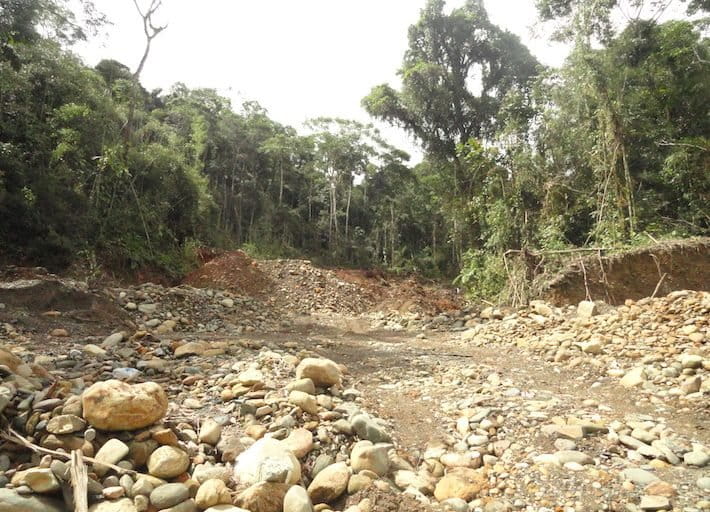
682, 265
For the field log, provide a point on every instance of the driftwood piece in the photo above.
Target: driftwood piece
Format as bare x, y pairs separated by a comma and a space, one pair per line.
79, 482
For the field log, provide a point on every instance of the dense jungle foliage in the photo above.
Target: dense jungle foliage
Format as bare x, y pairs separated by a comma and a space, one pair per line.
610, 147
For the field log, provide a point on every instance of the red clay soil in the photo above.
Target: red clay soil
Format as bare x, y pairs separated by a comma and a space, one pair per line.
233, 271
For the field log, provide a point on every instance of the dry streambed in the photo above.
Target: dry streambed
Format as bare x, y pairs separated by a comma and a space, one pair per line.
538, 409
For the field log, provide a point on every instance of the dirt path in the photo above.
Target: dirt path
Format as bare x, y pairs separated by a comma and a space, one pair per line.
388, 368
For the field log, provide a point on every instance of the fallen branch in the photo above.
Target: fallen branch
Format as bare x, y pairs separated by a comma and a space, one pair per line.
658, 286
17, 439
79, 482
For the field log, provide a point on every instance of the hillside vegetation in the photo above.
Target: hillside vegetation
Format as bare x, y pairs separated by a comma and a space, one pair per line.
609, 148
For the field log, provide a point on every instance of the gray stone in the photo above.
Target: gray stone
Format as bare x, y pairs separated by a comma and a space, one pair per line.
696, 458
169, 495
113, 340
148, 309
368, 429
11, 501
297, 500
454, 505
322, 461
653, 503
565, 456
639, 476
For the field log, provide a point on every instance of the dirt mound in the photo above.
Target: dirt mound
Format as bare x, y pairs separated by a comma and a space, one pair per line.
44, 304
298, 286
301, 287
404, 295
658, 269
233, 271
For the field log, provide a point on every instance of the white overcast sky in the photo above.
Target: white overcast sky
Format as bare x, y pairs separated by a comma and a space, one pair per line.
298, 58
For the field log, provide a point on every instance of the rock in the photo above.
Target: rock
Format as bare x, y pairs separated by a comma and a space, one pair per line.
122, 505
366, 456
405, 478
653, 503
11, 501
299, 441
463, 483
368, 429
323, 372
541, 308
634, 377
169, 495
305, 385
454, 505
639, 476
210, 432
168, 462
226, 508
263, 497
586, 309
207, 471
65, 424
42, 481
193, 348
113, 340
115, 405
691, 361
213, 492
185, 506
113, 493
696, 458
94, 351
110, 453
691, 385
359, 482
330, 483
297, 500
566, 456
265, 459
59, 333
661, 488
148, 309
304, 401
703, 483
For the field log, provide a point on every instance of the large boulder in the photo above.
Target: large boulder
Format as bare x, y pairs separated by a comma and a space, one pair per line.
267, 460
115, 405
323, 372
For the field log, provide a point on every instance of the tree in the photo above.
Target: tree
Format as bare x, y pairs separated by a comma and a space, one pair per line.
455, 74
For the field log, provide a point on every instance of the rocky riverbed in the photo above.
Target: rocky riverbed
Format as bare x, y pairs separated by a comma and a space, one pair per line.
540, 409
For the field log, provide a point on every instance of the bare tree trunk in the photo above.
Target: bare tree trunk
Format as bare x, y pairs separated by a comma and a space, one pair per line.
150, 30
281, 184
392, 234
347, 212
